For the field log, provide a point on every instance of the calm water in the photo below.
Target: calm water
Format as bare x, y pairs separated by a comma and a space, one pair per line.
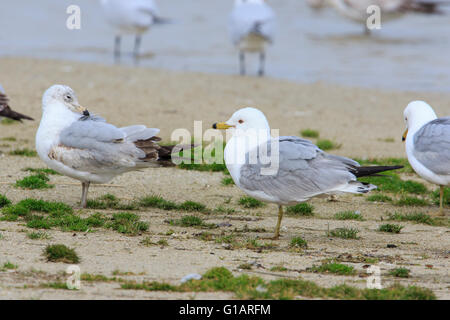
410, 53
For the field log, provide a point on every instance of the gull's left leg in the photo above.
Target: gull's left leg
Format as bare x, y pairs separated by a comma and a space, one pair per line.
262, 60
280, 217
84, 193
137, 45
117, 49
441, 201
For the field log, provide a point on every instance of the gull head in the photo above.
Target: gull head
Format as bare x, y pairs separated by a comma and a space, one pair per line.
243, 120
416, 114
63, 96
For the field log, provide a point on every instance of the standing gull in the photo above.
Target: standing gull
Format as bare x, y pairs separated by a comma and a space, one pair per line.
252, 24
304, 171
428, 145
356, 10
87, 148
5, 110
131, 17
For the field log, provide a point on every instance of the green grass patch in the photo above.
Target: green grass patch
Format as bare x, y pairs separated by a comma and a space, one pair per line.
309, 133
11, 139
392, 228
278, 269
326, 144
61, 253
414, 217
55, 285
42, 170
298, 242
400, 272
191, 221
344, 233
348, 215
38, 235
4, 201
8, 266
25, 152
227, 181
249, 287
158, 202
192, 206
411, 202
36, 181
127, 223
301, 209
109, 201
391, 182
335, 268
8, 121
250, 203
379, 198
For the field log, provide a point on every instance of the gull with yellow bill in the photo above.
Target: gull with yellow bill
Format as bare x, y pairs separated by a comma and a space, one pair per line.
428, 145
303, 171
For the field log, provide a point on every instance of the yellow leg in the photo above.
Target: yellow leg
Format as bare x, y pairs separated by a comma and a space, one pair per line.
441, 207
280, 217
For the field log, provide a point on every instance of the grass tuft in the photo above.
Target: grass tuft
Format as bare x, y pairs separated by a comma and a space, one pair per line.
4, 201
192, 206
348, 215
127, 223
379, 198
61, 253
392, 228
413, 217
249, 202
336, 268
400, 272
298, 242
36, 181
158, 202
23, 152
412, 201
344, 233
38, 235
327, 145
301, 209
309, 133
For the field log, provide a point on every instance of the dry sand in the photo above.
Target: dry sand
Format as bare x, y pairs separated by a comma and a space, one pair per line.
363, 121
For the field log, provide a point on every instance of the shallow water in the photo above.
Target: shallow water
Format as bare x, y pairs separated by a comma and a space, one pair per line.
411, 53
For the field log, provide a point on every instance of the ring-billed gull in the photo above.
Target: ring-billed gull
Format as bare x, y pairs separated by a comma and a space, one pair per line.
356, 10
303, 170
5, 110
428, 145
87, 148
131, 17
252, 24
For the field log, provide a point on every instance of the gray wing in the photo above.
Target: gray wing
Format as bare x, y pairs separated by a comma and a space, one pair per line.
304, 171
432, 145
95, 146
252, 18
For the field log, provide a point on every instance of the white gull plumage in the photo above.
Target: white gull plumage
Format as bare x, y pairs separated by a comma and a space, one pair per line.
428, 144
304, 170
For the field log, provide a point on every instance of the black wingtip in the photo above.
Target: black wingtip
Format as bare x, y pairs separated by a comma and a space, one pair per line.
372, 170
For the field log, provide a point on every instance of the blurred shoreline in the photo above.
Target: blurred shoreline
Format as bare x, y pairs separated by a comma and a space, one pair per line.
408, 54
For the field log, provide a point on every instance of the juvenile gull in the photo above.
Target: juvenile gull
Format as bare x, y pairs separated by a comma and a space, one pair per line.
131, 17
87, 148
252, 24
428, 145
304, 170
5, 110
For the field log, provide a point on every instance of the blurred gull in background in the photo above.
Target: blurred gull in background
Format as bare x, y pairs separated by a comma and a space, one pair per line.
131, 17
252, 25
356, 10
5, 110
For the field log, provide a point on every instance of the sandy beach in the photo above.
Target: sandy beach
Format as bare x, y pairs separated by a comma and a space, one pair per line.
365, 123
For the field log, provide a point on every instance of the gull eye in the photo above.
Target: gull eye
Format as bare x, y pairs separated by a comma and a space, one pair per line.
241, 121
68, 97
